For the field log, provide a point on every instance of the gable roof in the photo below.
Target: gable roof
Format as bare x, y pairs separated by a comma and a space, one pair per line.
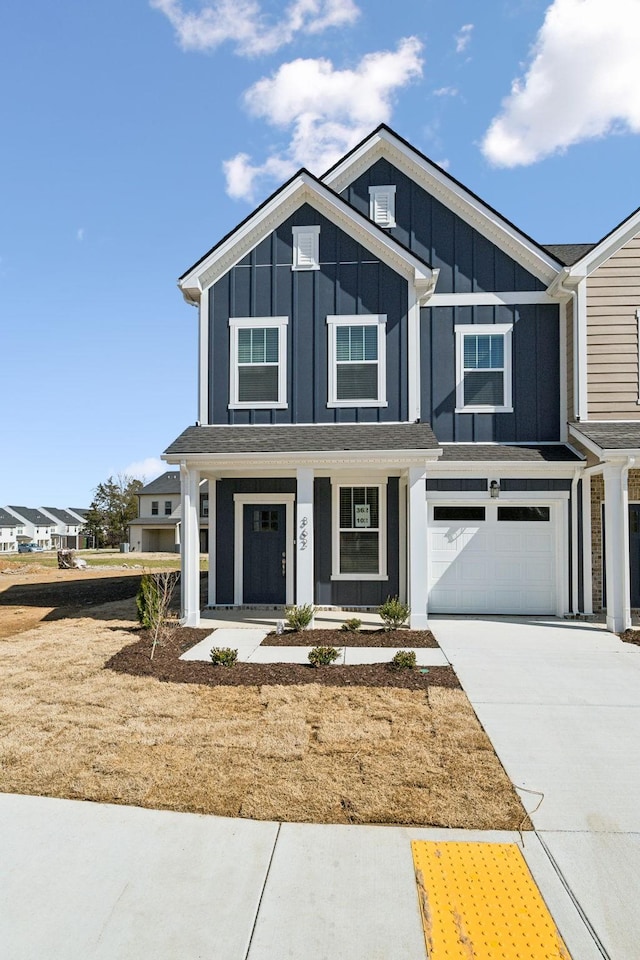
385, 142
7, 519
303, 188
80, 511
600, 252
602, 436
168, 482
32, 515
63, 516
568, 253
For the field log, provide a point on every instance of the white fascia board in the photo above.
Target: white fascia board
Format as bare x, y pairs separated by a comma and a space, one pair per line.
304, 189
505, 468
453, 195
605, 249
586, 442
289, 459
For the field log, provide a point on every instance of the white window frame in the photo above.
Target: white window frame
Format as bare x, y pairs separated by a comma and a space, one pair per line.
366, 320
238, 323
349, 483
300, 262
389, 191
485, 329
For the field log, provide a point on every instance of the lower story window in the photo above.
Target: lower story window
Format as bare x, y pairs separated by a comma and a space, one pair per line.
359, 532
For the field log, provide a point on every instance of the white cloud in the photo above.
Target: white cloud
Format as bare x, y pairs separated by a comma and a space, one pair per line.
147, 469
244, 23
463, 37
327, 110
582, 82
446, 92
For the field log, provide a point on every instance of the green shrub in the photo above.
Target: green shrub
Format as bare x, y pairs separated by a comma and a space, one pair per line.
394, 613
223, 656
148, 601
153, 602
299, 618
322, 656
404, 660
352, 626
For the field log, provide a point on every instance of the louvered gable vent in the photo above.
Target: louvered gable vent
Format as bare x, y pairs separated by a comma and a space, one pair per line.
382, 205
306, 242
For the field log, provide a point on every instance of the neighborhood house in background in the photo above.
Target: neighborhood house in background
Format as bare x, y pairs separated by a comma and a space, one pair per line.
44, 528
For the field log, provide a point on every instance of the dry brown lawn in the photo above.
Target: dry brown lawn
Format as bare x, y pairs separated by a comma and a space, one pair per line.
70, 728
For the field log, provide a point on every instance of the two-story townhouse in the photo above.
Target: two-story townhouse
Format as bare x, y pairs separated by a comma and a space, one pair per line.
68, 527
381, 403
38, 527
10, 529
157, 526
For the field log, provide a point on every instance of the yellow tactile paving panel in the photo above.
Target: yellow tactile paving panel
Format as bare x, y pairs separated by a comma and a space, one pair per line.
479, 902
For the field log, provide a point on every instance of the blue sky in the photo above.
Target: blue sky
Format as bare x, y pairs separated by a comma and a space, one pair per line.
137, 133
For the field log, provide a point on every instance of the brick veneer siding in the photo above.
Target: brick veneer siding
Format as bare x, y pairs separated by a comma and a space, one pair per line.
597, 497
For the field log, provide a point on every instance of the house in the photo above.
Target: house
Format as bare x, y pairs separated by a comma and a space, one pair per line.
157, 526
68, 528
10, 530
38, 527
387, 373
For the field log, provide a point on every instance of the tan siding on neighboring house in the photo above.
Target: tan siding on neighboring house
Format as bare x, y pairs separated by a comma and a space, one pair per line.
571, 413
613, 297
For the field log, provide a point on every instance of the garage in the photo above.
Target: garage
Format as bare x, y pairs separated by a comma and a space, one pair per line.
493, 558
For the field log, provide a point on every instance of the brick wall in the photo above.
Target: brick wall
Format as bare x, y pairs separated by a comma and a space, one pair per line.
597, 497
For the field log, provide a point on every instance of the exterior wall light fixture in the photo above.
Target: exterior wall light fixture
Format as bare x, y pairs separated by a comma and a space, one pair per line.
494, 489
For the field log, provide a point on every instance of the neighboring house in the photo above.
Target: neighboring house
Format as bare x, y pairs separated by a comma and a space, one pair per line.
387, 368
157, 526
68, 528
10, 530
38, 526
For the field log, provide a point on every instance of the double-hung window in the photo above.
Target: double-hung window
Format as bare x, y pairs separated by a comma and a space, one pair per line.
154, 508
357, 367
483, 364
258, 362
359, 532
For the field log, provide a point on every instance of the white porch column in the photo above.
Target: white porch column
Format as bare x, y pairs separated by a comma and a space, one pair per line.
587, 554
417, 574
190, 546
616, 532
305, 592
211, 592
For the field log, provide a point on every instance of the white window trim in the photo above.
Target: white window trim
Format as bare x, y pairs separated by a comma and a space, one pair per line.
336, 486
374, 193
367, 320
236, 323
314, 232
484, 329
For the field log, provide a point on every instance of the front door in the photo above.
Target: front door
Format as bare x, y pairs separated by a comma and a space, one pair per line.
634, 553
264, 564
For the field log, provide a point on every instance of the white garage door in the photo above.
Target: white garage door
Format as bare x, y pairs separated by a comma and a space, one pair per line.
494, 558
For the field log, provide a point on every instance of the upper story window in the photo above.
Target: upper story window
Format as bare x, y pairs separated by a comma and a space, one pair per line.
306, 248
167, 508
484, 368
357, 367
382, 205
258, 363
154, 508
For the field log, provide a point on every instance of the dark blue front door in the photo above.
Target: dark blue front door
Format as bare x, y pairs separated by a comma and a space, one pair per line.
264, 553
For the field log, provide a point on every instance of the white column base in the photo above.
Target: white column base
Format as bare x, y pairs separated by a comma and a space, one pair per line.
419, 621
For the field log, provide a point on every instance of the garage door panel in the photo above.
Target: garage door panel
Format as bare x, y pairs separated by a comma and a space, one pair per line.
495, 566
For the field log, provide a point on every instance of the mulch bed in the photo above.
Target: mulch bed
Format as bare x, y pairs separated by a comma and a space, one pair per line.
631, 636
344, 638
166, 667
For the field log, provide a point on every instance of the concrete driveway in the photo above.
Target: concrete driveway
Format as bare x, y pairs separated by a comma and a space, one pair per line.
560, 701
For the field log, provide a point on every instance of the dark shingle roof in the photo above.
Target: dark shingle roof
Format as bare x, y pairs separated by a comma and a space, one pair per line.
529, 453
33, 515
611, 436
314, 438
569, 253
169, 482
82, 511
63, 516
8, 519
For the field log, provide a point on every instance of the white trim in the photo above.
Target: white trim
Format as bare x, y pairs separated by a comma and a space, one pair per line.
237, 323
602, 251
304, 540
349, 482
484, 329
413, 358
502, 298
580, 307
239, 501
203, 365
480, 498
300, 261
388, 190
562, 335
403, 544
364, 320
212, 488
190, 545
587, 550
454, 196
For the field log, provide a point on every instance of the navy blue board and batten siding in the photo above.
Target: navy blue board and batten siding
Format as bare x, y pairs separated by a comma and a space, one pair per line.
350, 281
467, 261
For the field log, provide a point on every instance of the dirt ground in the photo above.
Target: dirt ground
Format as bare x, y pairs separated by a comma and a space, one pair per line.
71, 728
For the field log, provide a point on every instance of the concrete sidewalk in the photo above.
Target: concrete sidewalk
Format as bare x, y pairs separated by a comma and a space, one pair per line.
560, 702
84, 881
